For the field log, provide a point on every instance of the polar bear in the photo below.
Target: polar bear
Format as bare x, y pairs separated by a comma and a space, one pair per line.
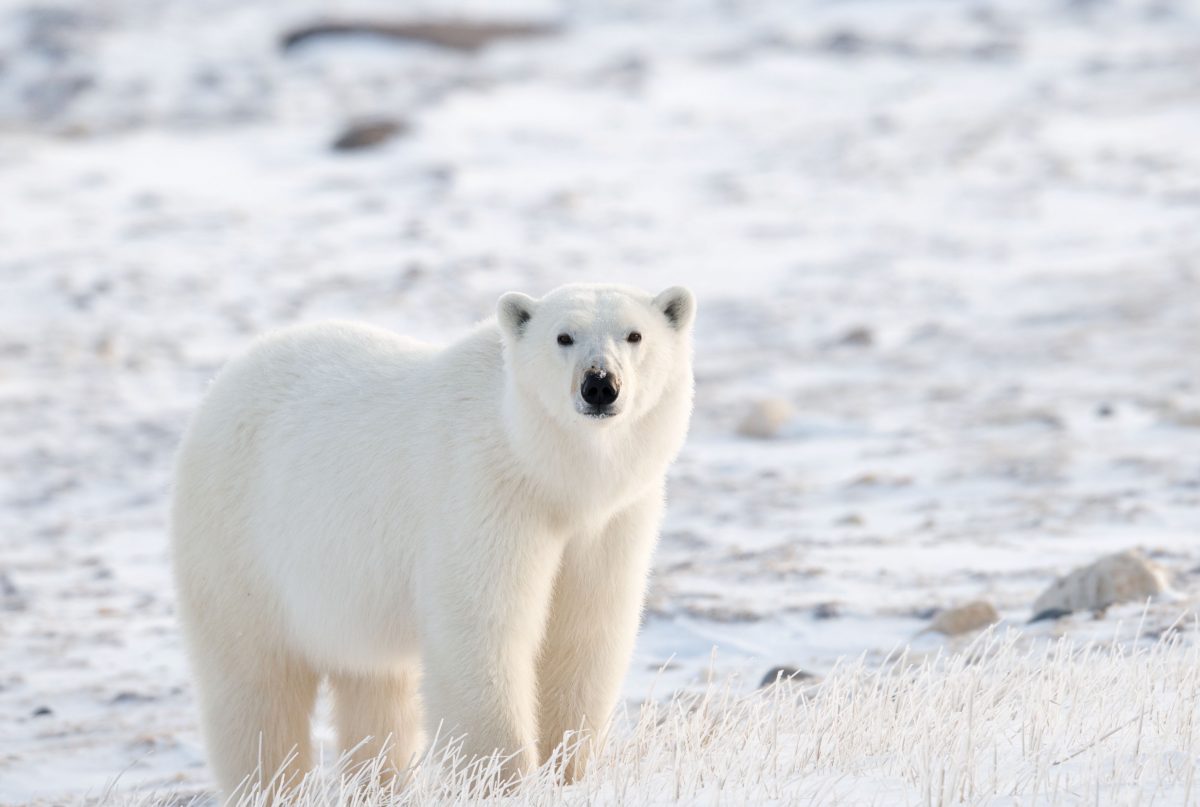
457, 538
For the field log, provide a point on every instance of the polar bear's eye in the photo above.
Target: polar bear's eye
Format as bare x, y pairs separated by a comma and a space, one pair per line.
634, 337
565, 339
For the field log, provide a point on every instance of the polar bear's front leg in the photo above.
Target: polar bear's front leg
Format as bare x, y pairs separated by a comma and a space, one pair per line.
487, 603
593, 624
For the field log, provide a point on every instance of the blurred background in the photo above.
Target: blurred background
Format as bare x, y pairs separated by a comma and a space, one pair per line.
947, 256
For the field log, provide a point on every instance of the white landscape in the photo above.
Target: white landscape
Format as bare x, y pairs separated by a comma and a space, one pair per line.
954, 249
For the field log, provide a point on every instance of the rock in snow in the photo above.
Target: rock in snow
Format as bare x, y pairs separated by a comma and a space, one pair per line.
369, 133
964, 618
784, 674
1123, 577
459, 35
765, 418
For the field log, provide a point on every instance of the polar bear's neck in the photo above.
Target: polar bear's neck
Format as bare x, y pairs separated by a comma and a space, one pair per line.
594, 468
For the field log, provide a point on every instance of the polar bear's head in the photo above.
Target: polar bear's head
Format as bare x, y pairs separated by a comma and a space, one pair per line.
596, 354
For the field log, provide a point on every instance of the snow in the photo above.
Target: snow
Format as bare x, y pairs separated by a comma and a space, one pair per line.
1002, 197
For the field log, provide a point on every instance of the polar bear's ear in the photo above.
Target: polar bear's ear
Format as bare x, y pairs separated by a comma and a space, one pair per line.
678, 306
514, 310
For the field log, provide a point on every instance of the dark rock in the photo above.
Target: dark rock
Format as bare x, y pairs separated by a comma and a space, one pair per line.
368, 134
43, 711
827, 610
461, 35
858, 336
1049, 613
784, 673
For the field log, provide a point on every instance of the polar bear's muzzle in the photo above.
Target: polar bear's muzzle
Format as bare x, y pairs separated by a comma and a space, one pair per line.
599, 392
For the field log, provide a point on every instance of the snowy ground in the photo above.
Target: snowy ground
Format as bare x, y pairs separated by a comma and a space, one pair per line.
994, 725
963, 240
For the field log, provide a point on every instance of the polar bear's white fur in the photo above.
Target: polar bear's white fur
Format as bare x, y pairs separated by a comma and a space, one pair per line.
457, 538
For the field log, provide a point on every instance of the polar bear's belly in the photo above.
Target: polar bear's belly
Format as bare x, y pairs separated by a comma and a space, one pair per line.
344, 576
340, 618
340, 636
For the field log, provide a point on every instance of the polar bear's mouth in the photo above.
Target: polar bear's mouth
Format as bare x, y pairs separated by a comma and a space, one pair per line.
599, 412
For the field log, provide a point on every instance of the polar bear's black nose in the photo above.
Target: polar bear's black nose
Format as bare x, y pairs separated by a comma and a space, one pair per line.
599, 388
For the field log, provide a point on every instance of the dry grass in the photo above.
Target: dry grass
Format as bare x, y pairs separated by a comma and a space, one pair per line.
1004, 722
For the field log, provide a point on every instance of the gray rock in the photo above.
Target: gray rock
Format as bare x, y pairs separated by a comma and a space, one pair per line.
827, 610
1122, 577
859, 336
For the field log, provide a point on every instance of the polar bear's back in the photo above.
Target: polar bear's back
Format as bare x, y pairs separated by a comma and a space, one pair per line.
303, 385
303, 448
323, 356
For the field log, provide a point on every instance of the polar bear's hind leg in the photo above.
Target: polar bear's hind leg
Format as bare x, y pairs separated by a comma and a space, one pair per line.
256, 711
